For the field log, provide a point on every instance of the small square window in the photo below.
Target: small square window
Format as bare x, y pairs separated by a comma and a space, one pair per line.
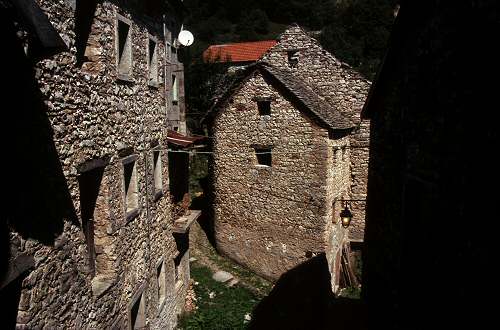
131, 187
124, 48
264, 156
293, 57
152, 62
264, 108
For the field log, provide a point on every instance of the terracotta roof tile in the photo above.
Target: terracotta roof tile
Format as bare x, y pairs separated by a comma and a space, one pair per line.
238, 52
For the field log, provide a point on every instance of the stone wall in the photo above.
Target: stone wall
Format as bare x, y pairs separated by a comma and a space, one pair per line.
99, 122
271, 218
341, 86
424, 189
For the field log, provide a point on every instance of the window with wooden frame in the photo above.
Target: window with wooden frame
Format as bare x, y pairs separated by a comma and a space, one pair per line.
152, 62
124, 47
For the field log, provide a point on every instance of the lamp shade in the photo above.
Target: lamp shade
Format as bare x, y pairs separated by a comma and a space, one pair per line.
345, 217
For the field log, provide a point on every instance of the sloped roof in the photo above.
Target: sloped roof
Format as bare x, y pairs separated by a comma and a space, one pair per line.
316, 106
181, 139
323, 109
238, 52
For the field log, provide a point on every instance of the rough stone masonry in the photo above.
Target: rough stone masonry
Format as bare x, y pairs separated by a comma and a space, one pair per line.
282, 159
108, 258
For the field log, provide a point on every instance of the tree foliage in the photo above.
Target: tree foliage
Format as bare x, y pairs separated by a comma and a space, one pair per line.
355, 31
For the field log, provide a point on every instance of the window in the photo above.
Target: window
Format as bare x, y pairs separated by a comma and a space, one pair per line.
124, 48
152, 62
175, 90
90, 183
264, 108
293, 58
160, 278
138, 313
176, 128
264, 156
177, 262
131, 187
157, 169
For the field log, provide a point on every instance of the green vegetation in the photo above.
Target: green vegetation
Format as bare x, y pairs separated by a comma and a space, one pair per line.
259, 286
219, 306
198, 170
355, 31
351, 292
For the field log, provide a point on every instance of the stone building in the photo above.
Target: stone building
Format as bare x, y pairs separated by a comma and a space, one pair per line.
88, 240
282, 157
430, 203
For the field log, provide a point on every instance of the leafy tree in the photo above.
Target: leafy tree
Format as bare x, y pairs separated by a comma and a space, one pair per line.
355, 31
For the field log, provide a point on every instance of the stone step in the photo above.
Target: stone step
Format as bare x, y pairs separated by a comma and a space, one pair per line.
222, 276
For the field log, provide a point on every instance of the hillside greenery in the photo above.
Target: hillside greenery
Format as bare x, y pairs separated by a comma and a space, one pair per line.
355, 31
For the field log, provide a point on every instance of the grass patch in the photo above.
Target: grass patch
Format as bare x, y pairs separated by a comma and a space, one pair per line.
225, 310
351, 292
260, 286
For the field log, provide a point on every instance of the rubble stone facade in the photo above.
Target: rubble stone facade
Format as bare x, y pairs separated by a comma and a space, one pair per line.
272, 215
343, 87
114, 263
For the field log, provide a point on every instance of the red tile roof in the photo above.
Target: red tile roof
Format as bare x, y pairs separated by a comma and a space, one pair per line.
238, 52
181, 139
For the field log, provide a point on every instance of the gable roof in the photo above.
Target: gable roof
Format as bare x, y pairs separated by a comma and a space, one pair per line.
238, 52
307, 99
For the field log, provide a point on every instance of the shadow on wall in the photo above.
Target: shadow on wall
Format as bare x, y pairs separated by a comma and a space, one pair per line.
303, 299
202, 203
37, 199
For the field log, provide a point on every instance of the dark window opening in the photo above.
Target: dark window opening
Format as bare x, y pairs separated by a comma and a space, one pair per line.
264, 156
293, 58
177, 262
264, 108
138, 313
131, 188
153, 62
89, 183
176, 128
178, 173
124, 48
160, 277
182, 244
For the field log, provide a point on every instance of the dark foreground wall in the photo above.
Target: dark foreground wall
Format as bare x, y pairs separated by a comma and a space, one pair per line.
429, 209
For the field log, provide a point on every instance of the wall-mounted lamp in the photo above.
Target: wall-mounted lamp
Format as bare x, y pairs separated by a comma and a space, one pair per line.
346, 214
